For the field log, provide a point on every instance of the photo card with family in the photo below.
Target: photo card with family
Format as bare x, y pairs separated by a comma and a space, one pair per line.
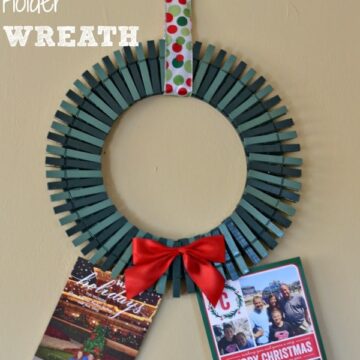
266, 314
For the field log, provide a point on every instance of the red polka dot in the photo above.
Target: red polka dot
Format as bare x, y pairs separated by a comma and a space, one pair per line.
182, 91
182, 2
168, 1
176, 47
168, 88
188, 81
180, 58
167, 64
169, 17
172, 29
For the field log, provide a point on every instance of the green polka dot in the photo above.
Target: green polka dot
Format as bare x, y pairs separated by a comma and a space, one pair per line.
188, 66
185, 31
182, 21
168, 75
189, 45
174, 10
187, 12
178, 80
177, 64
167, 52
168, 39
180, 40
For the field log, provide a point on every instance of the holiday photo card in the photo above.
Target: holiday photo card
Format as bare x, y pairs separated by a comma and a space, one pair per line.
93, 319
264, 315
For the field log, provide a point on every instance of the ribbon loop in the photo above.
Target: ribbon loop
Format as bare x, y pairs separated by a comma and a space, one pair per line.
179, 52
152, 260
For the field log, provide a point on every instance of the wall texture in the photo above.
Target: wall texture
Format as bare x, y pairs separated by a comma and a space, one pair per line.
181, 175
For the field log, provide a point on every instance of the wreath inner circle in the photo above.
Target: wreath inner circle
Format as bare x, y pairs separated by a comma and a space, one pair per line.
175, 167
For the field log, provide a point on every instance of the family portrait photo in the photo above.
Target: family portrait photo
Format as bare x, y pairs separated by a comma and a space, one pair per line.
276, 305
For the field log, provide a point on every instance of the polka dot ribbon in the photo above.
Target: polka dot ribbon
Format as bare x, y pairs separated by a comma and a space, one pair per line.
178, 52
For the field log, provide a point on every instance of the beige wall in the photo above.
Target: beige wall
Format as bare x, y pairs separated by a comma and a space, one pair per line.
193, 166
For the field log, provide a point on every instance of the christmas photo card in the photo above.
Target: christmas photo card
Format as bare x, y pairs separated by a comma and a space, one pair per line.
264, 315
94, 320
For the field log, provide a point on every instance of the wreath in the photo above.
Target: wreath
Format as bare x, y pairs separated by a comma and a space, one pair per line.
134, 74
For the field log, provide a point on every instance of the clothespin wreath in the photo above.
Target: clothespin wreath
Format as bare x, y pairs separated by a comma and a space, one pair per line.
173, 66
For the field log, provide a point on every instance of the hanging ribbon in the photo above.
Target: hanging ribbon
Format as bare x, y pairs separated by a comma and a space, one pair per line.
178, 50
151, 260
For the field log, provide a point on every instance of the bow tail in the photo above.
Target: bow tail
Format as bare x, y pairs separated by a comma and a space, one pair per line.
139, 278
206, 277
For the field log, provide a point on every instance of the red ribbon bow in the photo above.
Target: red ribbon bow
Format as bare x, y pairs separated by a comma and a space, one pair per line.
151, 260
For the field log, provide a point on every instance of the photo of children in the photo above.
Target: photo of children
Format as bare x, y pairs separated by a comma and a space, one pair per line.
276, 305
233, 336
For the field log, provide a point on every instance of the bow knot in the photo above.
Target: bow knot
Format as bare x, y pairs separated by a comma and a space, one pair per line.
182, 250
152, 259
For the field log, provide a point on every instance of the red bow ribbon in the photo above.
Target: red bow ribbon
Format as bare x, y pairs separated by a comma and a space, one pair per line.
151, 260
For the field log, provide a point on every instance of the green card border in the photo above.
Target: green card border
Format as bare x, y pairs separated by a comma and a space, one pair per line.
293, 261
